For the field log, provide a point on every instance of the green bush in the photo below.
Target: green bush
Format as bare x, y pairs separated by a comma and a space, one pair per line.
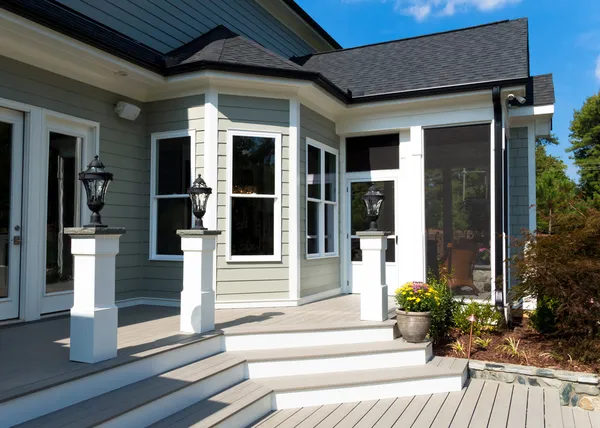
442, 315
543, 318
488, 318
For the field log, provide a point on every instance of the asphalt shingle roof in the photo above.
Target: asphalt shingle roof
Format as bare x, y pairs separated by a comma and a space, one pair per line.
223, 45
540, 90
491, 52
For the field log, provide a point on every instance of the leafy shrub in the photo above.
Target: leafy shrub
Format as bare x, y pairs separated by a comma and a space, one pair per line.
543, 318
482, 343
565, 269
442, 315
458, 348
487, 318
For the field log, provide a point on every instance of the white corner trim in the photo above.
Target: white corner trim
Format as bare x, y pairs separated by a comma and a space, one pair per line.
294, 200
211, 143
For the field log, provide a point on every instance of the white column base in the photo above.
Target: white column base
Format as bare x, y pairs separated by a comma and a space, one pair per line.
198, 298
94, 316
197, 312
374, 303
93, 334
374, 291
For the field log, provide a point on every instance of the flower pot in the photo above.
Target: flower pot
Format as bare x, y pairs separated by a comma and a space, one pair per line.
413, 326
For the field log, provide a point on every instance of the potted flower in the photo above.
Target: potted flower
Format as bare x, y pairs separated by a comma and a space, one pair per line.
415, 301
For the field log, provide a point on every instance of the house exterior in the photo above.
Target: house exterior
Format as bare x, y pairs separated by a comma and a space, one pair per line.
288, 129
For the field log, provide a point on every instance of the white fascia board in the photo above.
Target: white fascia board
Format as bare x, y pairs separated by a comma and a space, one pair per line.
532, 111
39, 46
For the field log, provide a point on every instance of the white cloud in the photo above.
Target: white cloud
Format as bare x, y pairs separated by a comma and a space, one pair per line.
422, 9
598, 68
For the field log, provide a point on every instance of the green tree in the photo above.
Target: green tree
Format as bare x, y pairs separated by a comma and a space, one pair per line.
554, 189
585, 145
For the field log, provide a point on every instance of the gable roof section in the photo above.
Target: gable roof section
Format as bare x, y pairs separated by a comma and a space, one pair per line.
487, 53
224, 46
540, 90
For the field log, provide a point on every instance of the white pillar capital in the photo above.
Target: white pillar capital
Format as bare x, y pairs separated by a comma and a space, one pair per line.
94, 315
198, 295
374, 295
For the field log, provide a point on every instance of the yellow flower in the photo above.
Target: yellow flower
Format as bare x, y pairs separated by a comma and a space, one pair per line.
418, 299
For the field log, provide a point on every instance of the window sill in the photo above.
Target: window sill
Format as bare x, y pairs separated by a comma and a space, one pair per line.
324, 256
159, 258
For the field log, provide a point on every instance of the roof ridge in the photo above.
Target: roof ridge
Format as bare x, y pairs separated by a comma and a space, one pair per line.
457, 30
270, 52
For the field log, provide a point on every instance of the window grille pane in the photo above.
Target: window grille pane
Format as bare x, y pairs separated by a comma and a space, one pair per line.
173, 165
329, 228
312, 228
253, 165
252, 226
330, 177
314, 172
173, 214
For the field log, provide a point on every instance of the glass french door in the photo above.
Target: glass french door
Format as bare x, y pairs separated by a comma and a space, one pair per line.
11, 177
357, 185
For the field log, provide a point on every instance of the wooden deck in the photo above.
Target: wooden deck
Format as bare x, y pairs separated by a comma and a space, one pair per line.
481, 404
36, 355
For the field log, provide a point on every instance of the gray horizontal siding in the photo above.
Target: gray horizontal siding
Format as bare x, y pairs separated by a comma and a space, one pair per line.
123, 148
165, 278
316, 275
167, 24
252, 281
518, 185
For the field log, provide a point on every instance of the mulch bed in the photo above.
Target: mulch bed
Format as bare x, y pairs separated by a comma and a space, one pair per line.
534, 349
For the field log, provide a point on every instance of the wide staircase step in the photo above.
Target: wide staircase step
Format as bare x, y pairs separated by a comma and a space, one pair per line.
147, 401
236, 407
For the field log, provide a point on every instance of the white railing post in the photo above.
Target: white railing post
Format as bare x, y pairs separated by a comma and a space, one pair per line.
374, 295
94, 316
198, 295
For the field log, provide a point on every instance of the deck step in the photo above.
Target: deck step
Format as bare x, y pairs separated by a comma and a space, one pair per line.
152, 399
309, 335
438, 375
238, 406
335, 358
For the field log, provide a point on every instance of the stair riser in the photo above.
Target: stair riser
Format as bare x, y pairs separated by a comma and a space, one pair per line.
350, 394
248, 342
37, 404
265, 369
173, 403
252, 413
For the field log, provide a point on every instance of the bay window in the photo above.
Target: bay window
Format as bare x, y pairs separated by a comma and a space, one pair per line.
254, 196
170, 206
321, 200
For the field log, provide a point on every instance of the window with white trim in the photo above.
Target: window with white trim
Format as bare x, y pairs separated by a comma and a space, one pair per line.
254, 196
170, 206
321, 200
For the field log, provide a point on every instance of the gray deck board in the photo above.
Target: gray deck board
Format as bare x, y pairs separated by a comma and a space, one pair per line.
499, 417
448, 410
535, 408
318, 416
337, 415
412, 412
552, 411
376, 412
567, 417
595, 419
463, 415
518, 407
431, 410
483, 409
393, 413
581, 418
276, 418
357, 413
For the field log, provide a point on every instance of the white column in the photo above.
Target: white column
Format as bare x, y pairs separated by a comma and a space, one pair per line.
198, 296
374, 295
94, 314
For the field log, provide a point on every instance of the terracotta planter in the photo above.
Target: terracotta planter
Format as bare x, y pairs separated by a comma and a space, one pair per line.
413, 326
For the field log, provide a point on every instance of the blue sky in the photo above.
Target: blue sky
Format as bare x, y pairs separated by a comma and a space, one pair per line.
564, 37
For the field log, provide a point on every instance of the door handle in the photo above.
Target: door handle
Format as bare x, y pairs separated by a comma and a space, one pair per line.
17, 240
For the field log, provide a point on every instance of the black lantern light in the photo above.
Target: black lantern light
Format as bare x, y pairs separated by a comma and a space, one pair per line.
199, 193
95, 181
373, 200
